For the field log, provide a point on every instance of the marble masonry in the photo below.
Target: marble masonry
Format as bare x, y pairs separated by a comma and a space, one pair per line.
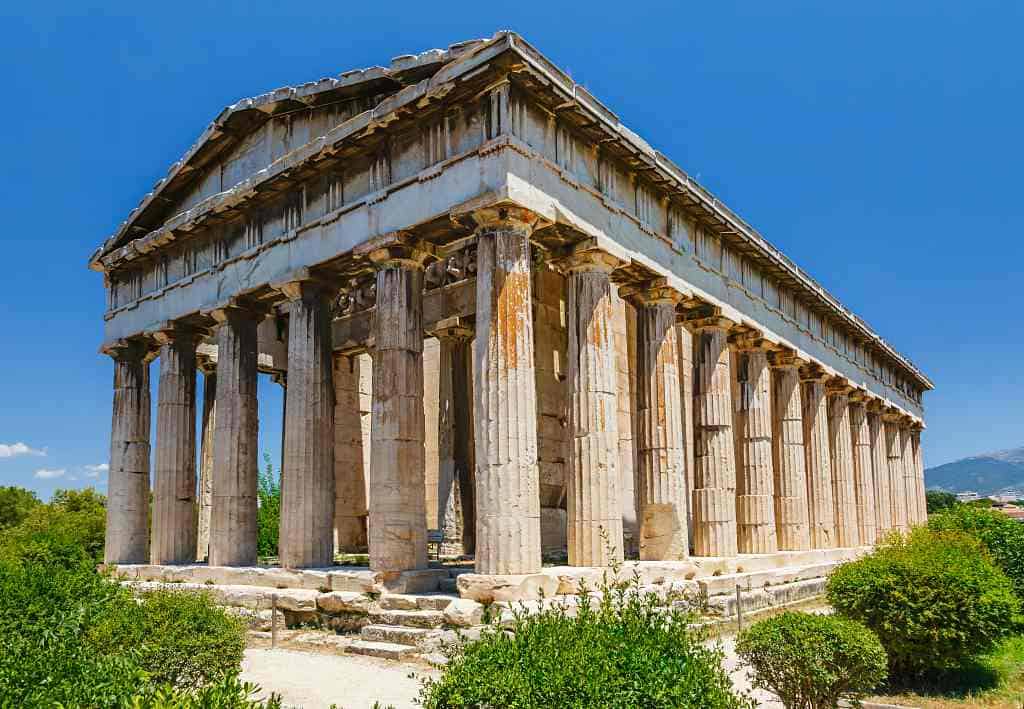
508, 330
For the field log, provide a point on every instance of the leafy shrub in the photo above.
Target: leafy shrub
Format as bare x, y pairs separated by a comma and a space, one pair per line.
624, 650
268, 515
15, 504
229, 693
182, 638
811, 661
934, 599
72, 525
938, 500
1003, 536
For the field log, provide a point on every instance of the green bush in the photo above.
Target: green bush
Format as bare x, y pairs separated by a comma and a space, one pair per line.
625, 650
15, 504
812, 661
934, 599
938, 500
1003, 536
268, 515
72, 525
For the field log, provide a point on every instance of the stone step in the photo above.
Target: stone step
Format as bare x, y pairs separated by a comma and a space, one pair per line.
409, 619
389, 651
410, 602
396, 634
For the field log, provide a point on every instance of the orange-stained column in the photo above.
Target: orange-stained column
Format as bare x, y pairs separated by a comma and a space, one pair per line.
714, 480
128, 481
755, 486
894, 456
788, 455
844, 493
821, 505
863, 475
505, 396
880, 471
660, 436
909, 473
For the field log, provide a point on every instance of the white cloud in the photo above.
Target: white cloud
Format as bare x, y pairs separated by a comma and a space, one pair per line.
9, 450
46, 473
95, 471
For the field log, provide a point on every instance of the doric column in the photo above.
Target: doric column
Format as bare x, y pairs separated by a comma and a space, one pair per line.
174, 486
844, 492
205, 501
820, 499
505, 397
894, 456
398, 525
714, 479
661, 466
880, 471
686, 396
455, 500
235, 447
922, 500
128, 480
863, 475
592, 490
909, 473
350, 508
307, 491
788, 455
755, 486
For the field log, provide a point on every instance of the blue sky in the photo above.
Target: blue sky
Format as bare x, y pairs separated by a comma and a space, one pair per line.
877, 143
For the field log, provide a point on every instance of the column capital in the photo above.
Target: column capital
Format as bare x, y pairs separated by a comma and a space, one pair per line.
454, 328
655, 290
708, 318
586, 259
168, 332
505, 217
136, 349
860, 397
237, 309
839, 386
749, 339
305, 284
813, 372
783, 357
891, 414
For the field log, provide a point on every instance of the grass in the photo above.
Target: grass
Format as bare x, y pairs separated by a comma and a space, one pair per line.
996, 681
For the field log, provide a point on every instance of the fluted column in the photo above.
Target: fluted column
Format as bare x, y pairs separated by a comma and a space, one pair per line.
350, 508
307, 491
714, 479
820, 497
398, 526
880, 471
204, 501
505, 397
455, 439
894, 456
128, 479
909, 474
660, 453
844, 491
235, 449
863, 476
174, 488
755, 485
922, 500
592, 490
788, 455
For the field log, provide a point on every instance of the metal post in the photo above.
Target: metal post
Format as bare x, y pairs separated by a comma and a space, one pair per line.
273, 620
739, 609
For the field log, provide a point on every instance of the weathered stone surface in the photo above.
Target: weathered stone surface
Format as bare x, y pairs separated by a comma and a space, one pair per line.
624, 329
307, 488
508, 502
755, 484
128, 479
206, 460
464, 612
350, 501
820, 497
880, 473
344, 602
909, 475
455, 480
844, 494
864, 482
506, 587
788, 455
236, 442
174, 510
593, 502
894, 454
714, 480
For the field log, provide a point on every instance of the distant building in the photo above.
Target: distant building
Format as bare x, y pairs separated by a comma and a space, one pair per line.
966, 496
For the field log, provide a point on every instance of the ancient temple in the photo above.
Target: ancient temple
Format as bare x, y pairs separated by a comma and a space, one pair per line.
505, 324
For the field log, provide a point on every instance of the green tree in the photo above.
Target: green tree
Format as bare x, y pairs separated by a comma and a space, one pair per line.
1002, 535
74, 522
940, 500
268, 516
15, 505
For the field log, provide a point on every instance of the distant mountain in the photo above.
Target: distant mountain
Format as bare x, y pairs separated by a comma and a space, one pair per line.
985, 474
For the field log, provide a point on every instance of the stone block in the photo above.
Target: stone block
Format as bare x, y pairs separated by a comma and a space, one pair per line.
463, 612
344, 602
488, 588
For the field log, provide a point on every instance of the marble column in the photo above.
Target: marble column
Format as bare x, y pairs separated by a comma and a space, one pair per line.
686, 395
922, 499
894, 457
350, 507
909, 474
880, 471
398, 525
788, 455
714, 479
820, 498
844, 491
128, 479
755, 484
307, 491
455, 439
592, 489
661, 462
235, 446
204, 503
174, 485
863, 475
505, 397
